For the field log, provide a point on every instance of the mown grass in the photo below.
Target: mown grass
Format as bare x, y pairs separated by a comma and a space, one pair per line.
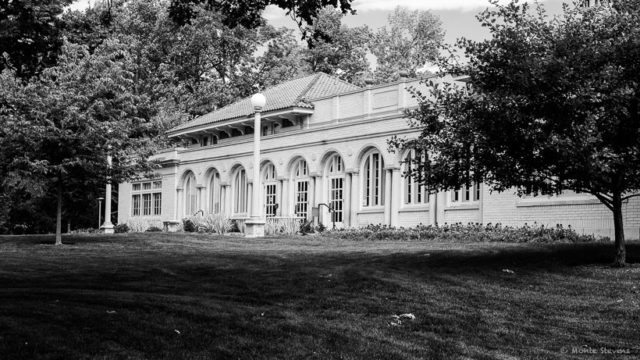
165, 296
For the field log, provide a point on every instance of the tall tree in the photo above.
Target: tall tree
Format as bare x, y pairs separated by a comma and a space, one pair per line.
248, 13
30, 35
410, 42
552, 104
336, 49
56, 130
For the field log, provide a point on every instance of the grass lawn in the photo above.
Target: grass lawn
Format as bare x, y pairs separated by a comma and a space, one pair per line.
166, 296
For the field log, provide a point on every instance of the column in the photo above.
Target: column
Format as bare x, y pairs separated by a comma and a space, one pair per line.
285, 203
311, 196
355, 198
250, 198
319, 189
226, 206
387, 196
107, 226
200, 204
396, 187
178, 203
347, 199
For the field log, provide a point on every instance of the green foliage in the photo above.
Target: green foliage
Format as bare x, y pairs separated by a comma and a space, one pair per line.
247, 13
188, 225
30, 36
282, 225
209, 223
411, 41
466, 233
153, 229
138, 225
550, 104
336, 49
121, 228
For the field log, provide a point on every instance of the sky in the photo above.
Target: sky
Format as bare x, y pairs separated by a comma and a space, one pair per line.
457, 16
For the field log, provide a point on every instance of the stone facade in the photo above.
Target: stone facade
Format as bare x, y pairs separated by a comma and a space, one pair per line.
368, 186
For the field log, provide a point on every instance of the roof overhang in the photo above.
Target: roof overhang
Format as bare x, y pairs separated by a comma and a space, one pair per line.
226, 123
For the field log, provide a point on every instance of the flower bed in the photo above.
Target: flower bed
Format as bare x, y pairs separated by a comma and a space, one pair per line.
466, 233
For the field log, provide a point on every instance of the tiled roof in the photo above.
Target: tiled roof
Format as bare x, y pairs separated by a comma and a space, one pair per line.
293, 93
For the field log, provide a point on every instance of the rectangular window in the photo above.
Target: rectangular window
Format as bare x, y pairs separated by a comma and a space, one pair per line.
270, 200
146, 204
302, 199
466, 194
146, 198
336, 199
135, 205
157, 203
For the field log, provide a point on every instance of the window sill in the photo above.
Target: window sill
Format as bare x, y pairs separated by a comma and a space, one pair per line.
414, 208
556, 202
375, 210
475, 206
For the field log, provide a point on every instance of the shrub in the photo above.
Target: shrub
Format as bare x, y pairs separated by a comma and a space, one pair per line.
141, 225
465, 233
153, 229
210, 223
121, 228
306, 227
282, 225
216, 223
188, 225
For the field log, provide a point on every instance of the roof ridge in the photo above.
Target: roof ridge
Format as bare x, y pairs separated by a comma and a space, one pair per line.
342, 81
304, 92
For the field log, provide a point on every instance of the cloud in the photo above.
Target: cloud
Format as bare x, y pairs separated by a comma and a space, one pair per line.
368, 5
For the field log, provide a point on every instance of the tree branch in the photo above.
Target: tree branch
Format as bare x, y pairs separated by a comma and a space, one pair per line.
630, 196
603, 199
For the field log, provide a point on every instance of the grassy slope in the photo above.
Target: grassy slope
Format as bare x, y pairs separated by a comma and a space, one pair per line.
162, 296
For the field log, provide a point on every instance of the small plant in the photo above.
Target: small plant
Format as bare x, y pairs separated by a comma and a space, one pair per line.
153, 229
188, 225
321, 228
472, 232
306, 227
121, 228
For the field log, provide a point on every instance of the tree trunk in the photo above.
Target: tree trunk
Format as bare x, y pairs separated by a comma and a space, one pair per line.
59, 217
621, 254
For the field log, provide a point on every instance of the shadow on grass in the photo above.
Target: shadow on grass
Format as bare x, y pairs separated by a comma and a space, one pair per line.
162, 297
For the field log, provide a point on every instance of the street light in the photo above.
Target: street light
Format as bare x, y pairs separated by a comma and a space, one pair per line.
107, 227
100, 211
255, 225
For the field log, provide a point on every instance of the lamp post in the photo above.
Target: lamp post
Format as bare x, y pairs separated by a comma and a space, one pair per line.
107, 226
100, 211
255, 225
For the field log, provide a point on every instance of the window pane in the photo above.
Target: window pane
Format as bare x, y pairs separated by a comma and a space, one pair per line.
135, 205
157, 184
136, 187
146, 186
157, 204
146, 200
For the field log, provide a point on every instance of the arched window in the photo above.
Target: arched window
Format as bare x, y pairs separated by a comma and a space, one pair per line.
270, 184
301, 188
414, 192
190, 195
373, 180
214, 193
240, 191
335, 178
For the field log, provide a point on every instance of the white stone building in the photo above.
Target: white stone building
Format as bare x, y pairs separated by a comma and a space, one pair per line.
325, 141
